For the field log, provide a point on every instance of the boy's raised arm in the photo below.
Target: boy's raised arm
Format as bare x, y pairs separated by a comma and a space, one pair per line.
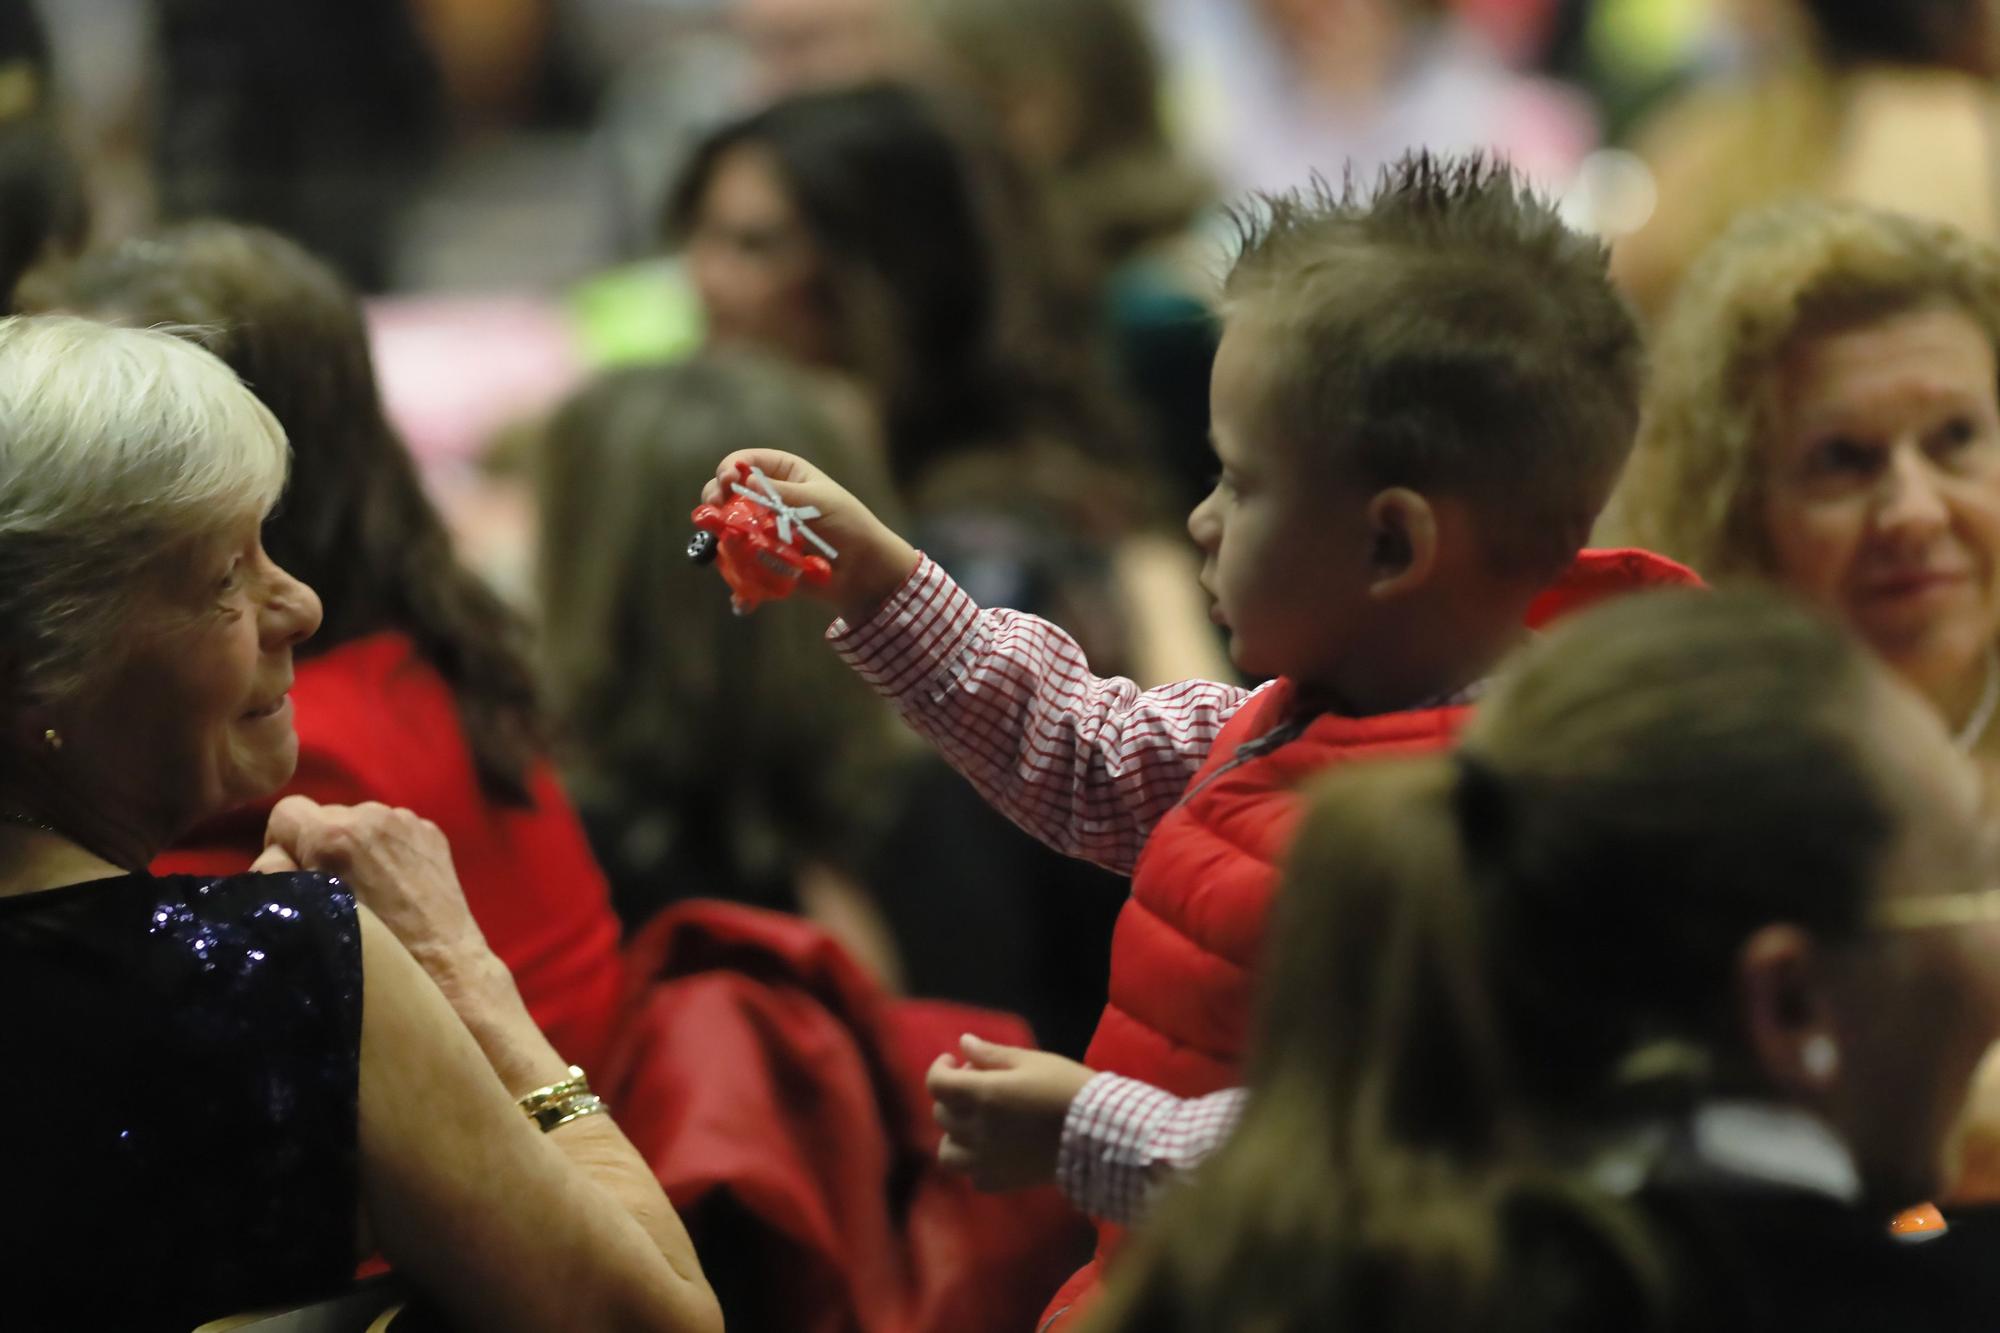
1085, 763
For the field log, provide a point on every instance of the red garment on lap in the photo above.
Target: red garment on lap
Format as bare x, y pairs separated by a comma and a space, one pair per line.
778, 1095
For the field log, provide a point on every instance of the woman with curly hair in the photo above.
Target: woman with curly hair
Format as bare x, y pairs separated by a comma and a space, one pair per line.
1824, 414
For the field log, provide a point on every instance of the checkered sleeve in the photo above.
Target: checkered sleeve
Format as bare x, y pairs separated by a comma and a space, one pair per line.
1123, 1140
1085, 763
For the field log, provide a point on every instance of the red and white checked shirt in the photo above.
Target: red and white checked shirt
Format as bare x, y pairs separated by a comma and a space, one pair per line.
1123, 1141
1086, 764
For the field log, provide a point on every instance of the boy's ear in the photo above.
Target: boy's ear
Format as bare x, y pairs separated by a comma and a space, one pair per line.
1403, 543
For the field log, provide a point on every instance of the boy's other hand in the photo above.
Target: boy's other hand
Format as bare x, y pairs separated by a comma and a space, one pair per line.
873, 560
1002, 1110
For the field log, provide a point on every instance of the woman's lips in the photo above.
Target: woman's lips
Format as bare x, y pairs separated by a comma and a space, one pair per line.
1899, 587
269, 710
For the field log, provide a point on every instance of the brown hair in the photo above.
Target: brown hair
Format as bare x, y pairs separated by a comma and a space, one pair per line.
355, 524
1775, 279
1445, 330
951, 301
743, 739
1471, 950
1121, 185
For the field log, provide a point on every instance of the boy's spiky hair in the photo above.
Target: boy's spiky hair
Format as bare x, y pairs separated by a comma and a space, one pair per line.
1446, 331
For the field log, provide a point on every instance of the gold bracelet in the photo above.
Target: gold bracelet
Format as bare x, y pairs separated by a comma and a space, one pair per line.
575, 1085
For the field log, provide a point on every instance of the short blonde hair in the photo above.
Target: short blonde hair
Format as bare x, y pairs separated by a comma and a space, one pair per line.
117, 448
1777, 277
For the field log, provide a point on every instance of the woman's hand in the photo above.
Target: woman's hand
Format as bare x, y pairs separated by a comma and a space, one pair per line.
873, 560
1002, 1110
400, 865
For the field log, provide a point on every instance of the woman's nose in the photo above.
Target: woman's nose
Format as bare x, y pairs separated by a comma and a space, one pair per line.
291, 613
1913, 503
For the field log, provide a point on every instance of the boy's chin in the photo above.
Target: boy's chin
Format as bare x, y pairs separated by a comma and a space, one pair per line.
1246, 659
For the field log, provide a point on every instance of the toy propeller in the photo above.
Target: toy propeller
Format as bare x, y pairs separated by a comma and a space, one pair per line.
789, 516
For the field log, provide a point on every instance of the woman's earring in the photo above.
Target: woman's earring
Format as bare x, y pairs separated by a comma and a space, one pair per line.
52, 738
1820, 1057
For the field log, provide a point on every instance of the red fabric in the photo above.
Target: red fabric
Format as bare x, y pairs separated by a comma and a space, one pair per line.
1186, 947
778, 1096
376, 723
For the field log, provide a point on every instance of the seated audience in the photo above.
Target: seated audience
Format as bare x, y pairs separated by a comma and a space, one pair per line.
1277, 90
1642, 1011
1889, 105
1074, 85
239, 1085
418, 690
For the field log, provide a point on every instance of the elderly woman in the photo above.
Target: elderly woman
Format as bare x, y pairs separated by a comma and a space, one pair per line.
235, 1087
417, 691
1823, 416
1641, 1012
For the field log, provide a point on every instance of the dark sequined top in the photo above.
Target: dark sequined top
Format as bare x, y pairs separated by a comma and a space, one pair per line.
178, 1074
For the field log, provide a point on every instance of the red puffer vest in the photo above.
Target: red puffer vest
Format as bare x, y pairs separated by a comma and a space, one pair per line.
1187, 943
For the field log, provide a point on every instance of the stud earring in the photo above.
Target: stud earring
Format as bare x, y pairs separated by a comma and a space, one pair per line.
1820, 1057
52, 738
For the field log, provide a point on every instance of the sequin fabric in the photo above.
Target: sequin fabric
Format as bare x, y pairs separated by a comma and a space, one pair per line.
179, 1066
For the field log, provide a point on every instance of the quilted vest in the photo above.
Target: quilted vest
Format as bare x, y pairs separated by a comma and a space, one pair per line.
1187, 942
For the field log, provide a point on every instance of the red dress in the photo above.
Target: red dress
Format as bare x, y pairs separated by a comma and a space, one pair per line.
377, 723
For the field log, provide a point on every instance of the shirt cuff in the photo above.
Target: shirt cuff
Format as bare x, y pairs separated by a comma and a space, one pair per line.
1102, 1165
924, 628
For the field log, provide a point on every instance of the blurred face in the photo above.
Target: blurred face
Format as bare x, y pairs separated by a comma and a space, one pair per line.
799, 45
1883, 492
1285, 551
196, 718
754, 264
1919, 1006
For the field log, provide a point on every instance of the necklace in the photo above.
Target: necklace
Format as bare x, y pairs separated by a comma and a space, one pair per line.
1982, 712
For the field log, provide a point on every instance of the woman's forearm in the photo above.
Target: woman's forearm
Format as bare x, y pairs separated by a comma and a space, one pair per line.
482, 992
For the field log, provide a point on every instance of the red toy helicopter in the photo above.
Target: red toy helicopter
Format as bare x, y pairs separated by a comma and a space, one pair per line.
753, 538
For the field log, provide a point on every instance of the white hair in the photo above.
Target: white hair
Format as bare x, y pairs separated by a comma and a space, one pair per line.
118, 447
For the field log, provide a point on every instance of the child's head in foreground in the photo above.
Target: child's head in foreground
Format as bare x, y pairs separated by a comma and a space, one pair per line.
1424, 393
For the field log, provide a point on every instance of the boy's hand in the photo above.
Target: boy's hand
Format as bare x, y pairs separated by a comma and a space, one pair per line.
1002, 1110
873, 561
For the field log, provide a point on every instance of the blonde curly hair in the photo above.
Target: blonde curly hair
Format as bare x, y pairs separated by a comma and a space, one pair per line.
1776, 278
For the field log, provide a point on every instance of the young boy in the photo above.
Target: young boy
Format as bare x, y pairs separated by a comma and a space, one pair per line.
1422, 398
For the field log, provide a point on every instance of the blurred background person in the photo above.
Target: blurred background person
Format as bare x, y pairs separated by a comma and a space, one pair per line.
1275, 90
1075, 87
1890, 105
714, 755
419, 689
318, 118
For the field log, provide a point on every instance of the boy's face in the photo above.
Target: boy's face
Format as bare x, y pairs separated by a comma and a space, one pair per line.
1286, 549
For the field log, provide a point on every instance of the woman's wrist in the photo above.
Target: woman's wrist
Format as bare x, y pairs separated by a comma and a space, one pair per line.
482, 993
